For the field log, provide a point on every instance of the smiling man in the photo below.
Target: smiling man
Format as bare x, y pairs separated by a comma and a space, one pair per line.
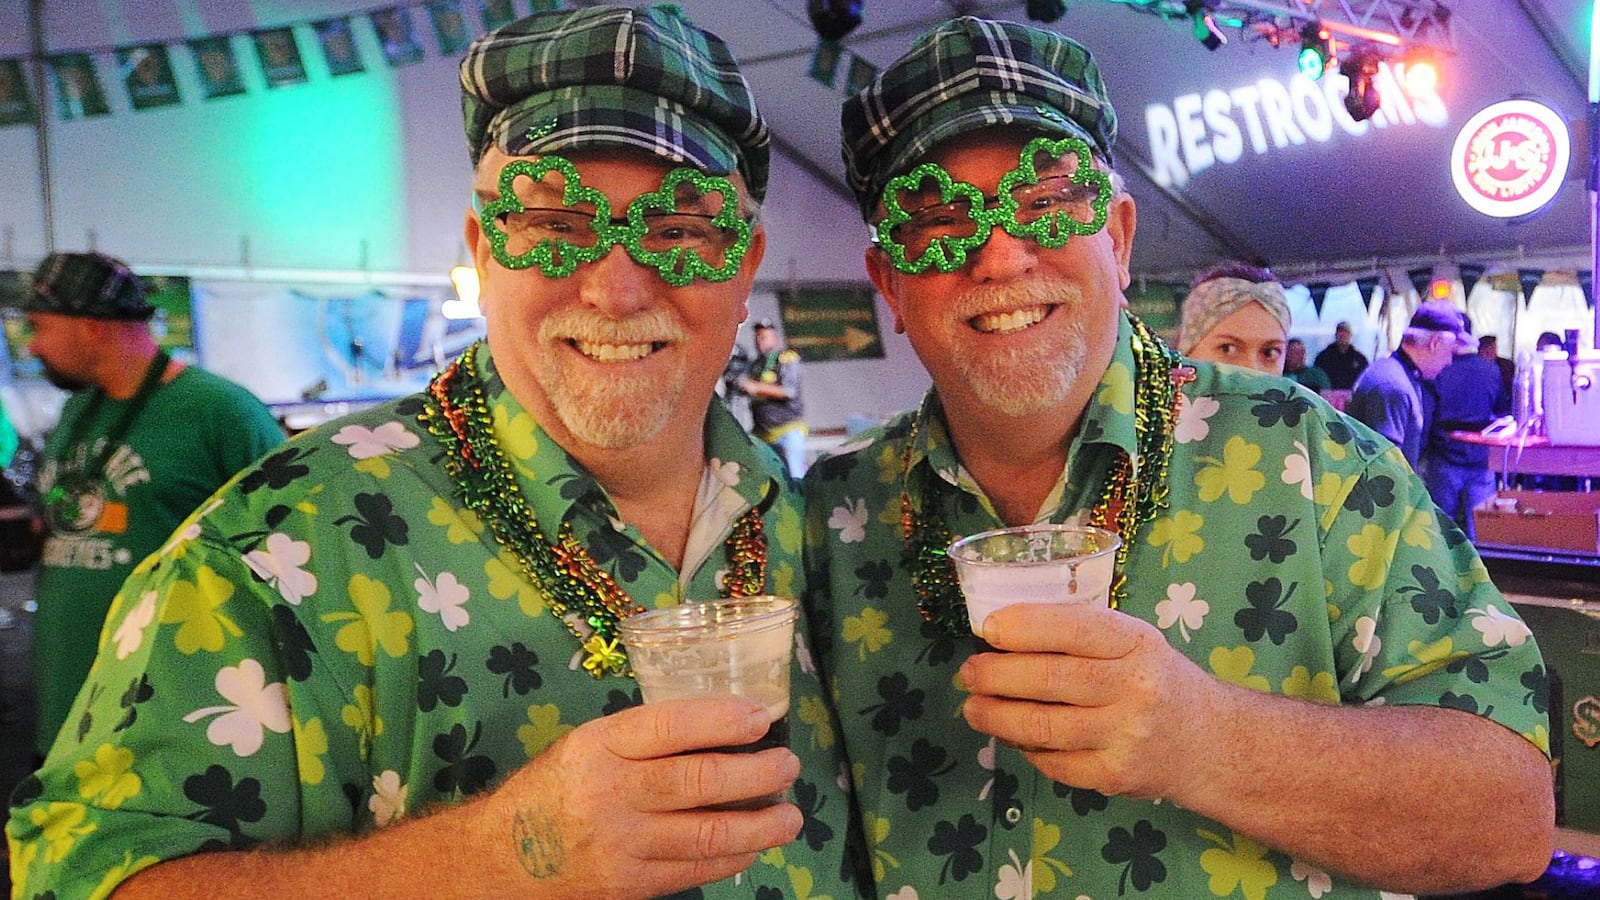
1303, 680
385, 661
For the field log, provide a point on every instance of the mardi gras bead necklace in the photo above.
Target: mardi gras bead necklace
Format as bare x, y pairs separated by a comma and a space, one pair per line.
581, 594
1126, 502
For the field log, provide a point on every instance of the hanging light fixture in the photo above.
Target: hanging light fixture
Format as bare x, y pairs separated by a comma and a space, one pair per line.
1046, 10
833, 19
1315, 50
1360, 66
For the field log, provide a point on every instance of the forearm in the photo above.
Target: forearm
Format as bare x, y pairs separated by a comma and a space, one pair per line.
456, 852
1352, 789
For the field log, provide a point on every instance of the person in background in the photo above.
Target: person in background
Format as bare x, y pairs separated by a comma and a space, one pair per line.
1294, 367
1265, 700
1396, 396
141, 443
1471, 394
1548, 340
1236, 314
772, 382
1489, 349
1343, 363
384, 661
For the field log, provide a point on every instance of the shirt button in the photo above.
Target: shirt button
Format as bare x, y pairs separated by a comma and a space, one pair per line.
1014, 813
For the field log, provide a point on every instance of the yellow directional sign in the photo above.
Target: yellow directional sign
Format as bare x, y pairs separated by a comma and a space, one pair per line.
831, 321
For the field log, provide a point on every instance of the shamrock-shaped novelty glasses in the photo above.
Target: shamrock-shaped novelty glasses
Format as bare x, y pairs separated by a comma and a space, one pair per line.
706, 241
930, 219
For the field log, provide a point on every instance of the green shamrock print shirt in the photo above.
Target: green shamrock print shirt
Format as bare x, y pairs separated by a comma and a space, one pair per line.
1297, 555
333, 643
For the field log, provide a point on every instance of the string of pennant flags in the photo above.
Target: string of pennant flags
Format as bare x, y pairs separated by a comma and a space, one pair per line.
146, 70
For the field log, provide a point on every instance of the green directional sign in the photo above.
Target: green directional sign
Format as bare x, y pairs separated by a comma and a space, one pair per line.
830, 321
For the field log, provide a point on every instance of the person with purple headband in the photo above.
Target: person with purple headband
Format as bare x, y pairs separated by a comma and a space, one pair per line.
1302, 684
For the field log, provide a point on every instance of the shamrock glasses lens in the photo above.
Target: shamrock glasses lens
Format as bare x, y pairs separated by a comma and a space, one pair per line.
932, 220
1059, 196
708, 242
575, 227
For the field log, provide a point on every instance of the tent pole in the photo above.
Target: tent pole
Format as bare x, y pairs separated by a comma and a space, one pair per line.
36, 48
1592, 176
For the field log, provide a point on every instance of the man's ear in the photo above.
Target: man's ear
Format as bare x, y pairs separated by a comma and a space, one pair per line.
886, 279
1122, 219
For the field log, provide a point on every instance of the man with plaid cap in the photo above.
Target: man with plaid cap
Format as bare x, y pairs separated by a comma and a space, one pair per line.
1303, 682
391, 651
141, 443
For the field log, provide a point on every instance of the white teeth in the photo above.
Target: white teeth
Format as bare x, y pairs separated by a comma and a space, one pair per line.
1016, 320
612, 352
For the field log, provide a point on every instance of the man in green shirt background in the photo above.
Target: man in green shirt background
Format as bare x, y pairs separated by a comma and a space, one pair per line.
386, 657
140, 444
1304, 683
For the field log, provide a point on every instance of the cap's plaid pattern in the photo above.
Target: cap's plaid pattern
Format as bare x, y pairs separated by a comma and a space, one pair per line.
965, 74
645, 78
91, 285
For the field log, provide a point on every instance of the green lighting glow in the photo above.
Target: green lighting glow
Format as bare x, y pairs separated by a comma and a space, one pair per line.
319, 168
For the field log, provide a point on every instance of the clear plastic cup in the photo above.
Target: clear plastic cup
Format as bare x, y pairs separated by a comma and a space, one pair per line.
1034, 564
739, 646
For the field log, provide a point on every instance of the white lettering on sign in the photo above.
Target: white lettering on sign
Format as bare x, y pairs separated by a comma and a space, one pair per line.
1510, 159
1198, 131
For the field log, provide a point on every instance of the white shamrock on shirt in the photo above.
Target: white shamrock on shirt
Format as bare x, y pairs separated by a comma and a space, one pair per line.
256, 707
850, 520
280, 566
365, 443
444, 596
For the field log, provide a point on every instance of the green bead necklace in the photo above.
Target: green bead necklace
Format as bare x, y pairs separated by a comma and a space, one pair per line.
581, 594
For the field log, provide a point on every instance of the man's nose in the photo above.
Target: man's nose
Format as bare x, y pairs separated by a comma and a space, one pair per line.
617, 285
1003, 257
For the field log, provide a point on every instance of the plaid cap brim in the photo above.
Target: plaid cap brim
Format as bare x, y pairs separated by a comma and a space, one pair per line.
643, 78
965, 74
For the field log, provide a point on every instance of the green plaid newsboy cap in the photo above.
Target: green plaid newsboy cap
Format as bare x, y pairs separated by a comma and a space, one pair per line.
645, 78
965, 74
90, 285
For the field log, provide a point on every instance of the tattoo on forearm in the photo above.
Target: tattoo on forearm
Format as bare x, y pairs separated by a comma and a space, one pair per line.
538, 844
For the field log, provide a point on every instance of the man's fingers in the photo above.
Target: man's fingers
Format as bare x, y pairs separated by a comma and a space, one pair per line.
1046, 677
711, 835
700, 779
1079, 629
671, 727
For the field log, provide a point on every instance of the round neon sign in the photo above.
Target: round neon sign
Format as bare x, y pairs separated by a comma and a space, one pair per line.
1510, 159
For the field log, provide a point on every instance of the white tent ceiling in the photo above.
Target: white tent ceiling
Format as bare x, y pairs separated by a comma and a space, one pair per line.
1307, 196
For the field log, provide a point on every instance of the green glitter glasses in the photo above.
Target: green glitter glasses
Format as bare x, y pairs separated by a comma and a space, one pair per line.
932, 220
707, 240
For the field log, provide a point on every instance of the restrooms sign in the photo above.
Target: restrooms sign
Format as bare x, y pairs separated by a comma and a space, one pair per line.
1198, 131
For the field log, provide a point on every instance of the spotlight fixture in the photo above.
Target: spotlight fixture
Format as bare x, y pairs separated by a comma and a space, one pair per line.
1360, 67
1046, 10
1205, 24
833, 19
1315, 50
